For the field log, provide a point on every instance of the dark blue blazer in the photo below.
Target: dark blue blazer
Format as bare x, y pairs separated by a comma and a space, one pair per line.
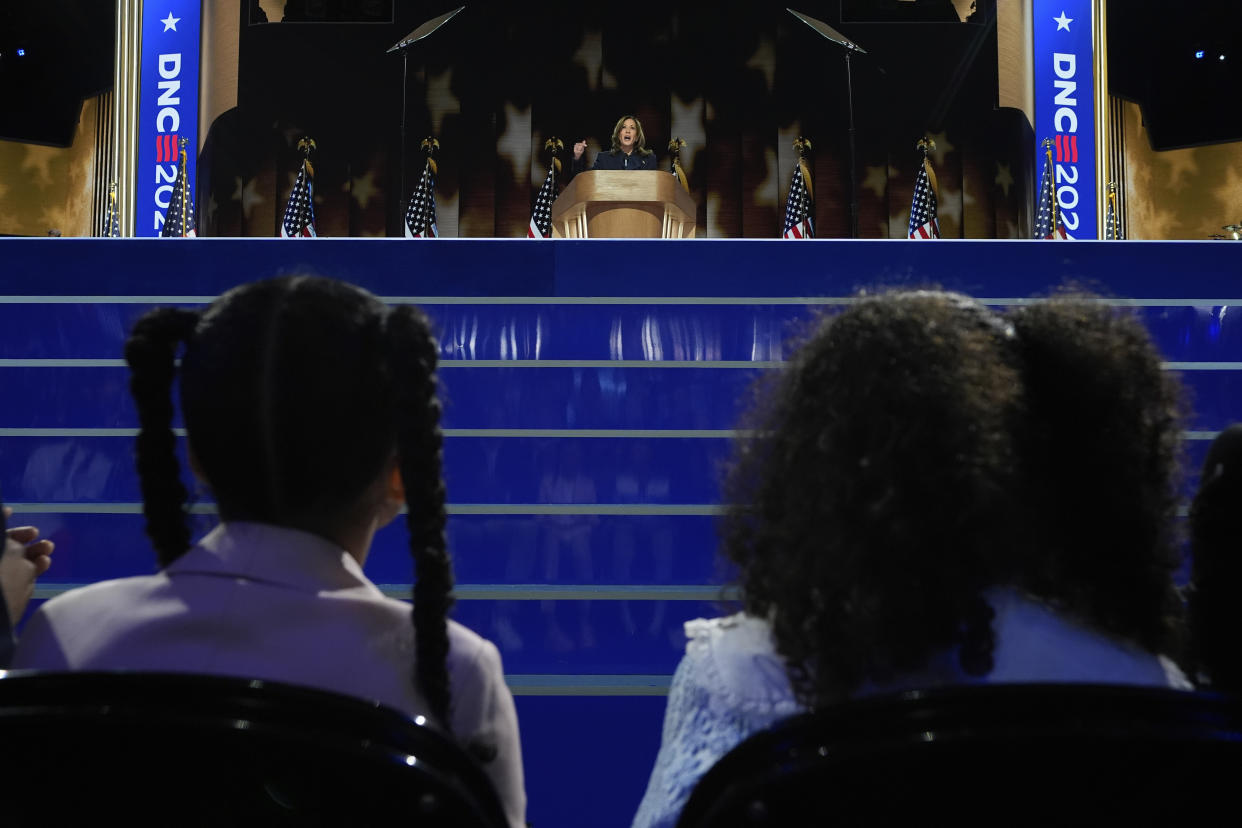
608, 160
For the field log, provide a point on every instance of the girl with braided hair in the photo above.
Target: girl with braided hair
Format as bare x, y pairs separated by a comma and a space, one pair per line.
312, 415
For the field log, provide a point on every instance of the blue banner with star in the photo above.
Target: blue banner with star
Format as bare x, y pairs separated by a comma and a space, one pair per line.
1064, 74
168, 107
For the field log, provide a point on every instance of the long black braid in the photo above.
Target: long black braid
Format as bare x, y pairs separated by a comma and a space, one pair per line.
413, 353
151, 352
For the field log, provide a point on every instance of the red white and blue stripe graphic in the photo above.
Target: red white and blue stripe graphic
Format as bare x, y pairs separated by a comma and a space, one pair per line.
166, 151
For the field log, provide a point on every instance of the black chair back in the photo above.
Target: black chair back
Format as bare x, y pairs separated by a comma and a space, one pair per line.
1019, 754
171, 749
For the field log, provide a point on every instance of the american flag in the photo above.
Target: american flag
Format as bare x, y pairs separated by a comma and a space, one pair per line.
300, 210
420, 216
179, 217
798, 223
923, 222
1046, 213
541, 217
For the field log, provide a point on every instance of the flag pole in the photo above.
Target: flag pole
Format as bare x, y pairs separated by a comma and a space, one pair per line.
926, 145
184, 142
1112, 208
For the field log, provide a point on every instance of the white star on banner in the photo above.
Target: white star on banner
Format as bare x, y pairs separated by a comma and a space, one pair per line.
1063, 22
171, 22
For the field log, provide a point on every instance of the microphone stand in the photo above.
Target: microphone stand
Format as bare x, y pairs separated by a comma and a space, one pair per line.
403, 46
850, 47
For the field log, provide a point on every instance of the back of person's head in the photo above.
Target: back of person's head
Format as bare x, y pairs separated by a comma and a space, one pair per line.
1099, 447
866, 507
1215, 602
297, 392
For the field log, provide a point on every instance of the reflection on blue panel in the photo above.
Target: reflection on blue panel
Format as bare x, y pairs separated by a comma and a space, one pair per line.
583, 471
658, 398
530, 549
66, 330
73, 470
1215, 397
590, 398
486, 549
488, 470
1190, 334
681, 332
617, 331
68, 398
645, 637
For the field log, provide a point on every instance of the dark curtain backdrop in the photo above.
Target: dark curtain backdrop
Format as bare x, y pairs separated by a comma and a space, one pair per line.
738, 82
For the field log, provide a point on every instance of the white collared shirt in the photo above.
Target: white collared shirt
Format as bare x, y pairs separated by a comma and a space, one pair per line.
269, 602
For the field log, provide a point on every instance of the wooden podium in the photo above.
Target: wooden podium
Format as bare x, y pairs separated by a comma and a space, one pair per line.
621, 204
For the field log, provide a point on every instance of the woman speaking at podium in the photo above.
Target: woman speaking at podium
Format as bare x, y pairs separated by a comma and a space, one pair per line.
629, 150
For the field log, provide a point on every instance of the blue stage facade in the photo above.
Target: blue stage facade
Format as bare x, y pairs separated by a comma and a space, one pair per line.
591, 391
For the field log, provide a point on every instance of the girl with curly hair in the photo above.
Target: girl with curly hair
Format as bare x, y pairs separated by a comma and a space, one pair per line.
1215, 613
889, 525
312, 415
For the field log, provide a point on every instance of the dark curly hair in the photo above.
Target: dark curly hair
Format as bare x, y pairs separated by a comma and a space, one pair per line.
1214, 610
869, 497
296, 392
1100, 469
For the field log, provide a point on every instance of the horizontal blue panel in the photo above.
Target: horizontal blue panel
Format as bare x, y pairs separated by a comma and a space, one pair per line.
646, 637
674, 398
481, 331
645, 398
491, 470
1215, 398
509, 549
568, 793
207, 267
583, 471
68, 398
604, 637
622, 268
505, 549
682, 332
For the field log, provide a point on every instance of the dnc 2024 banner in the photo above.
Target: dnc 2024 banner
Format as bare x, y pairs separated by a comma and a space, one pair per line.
1065, 107
168, 107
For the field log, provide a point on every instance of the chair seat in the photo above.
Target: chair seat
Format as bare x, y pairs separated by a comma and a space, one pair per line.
1020, 754
199, 749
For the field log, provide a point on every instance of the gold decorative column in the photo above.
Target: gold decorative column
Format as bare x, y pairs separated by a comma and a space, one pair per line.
1104, 137
126, 75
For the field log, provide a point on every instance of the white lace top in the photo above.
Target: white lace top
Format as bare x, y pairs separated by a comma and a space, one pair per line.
732, 683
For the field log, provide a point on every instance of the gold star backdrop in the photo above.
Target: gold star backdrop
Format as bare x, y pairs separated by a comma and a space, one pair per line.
1179, 194
49, 188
